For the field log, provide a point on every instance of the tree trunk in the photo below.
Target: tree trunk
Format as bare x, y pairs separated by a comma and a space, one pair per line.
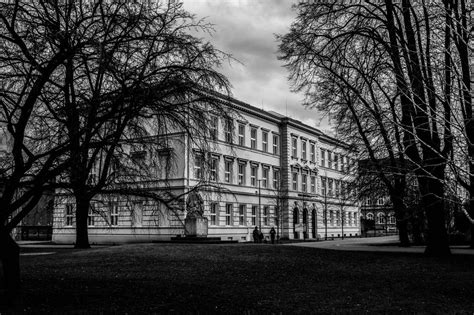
432, 190
403, 233
418, 226
10, 257
82, 212
402, 224
471, 214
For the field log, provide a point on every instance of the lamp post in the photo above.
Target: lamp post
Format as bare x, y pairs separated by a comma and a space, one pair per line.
259, 207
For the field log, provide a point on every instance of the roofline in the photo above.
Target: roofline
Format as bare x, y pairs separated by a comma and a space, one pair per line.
250, 109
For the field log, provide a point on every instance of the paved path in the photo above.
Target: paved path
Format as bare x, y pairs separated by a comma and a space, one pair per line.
375, 244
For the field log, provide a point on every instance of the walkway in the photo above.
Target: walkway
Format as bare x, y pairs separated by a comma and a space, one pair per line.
375, 244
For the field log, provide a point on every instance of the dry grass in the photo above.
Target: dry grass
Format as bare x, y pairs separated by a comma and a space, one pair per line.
244, 278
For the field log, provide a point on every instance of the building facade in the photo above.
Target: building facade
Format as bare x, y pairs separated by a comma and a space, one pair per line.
261, 169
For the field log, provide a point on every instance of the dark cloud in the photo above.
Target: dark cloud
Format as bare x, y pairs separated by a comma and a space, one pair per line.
246, 29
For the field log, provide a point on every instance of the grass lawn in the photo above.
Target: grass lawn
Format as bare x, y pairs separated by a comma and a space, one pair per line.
244, 278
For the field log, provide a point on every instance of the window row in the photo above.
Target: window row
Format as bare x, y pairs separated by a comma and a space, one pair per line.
108, 216
336, 161
264, 140
238, 172
232, 214
327, 186
335, 218
373, 201
382, 218
331, 187
327, 158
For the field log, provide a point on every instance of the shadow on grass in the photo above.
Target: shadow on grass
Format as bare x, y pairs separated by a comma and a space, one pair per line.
243, 278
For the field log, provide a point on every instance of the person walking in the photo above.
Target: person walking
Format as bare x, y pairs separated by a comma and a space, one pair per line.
256, 235
272, 234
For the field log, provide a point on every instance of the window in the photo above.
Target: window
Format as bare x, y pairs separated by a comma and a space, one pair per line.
323, 158
69, 214
313, 184
329, 159
242, 210
337, 189
253, 138
253, 175
393, 219
198, 161
266, 214
331, 217
336, 161
228, 214
276, 179
241, 174
380, 218
312, 152
91, 217
323, 186
114, 214
241, 134
254, 215
228, 172
355, 218
137, 217
330, 187
349, 218
304, 180
213, 169
295, 181
338, 218
265, 177
213, 213
228, 130
265, 141
303, 149
213, 130
380, 201
370, 216
276, 144
294, 150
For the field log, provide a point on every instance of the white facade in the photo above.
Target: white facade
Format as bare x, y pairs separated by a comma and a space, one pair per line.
269, 169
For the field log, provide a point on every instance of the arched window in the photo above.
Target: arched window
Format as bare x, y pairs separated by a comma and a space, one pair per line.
305, 216
380, 218
393, 219
370, 216
295, 216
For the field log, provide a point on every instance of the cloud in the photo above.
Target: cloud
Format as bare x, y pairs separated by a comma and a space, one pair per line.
246, 29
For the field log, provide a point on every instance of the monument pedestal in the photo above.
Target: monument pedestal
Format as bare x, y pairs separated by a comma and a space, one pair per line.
195, 227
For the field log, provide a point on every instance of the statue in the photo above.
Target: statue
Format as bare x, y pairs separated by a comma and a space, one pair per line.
195, 224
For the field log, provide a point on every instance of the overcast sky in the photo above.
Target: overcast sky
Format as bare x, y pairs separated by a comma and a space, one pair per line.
246, 29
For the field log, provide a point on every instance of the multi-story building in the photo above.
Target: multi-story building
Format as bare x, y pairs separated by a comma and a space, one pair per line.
263, 169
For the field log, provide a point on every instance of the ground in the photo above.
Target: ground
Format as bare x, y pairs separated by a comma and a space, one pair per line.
243, 278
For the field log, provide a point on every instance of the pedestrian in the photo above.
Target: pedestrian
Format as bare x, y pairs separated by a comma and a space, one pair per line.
256, 235
272, 234
261, 237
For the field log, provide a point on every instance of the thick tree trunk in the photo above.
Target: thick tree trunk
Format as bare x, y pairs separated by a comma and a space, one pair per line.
418, 226
471, 214
432, 190
403, 233
400, 213
10, 258
82, 212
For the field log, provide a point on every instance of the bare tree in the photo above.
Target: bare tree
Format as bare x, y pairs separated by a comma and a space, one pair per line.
396, 60
79, 78
138, 77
